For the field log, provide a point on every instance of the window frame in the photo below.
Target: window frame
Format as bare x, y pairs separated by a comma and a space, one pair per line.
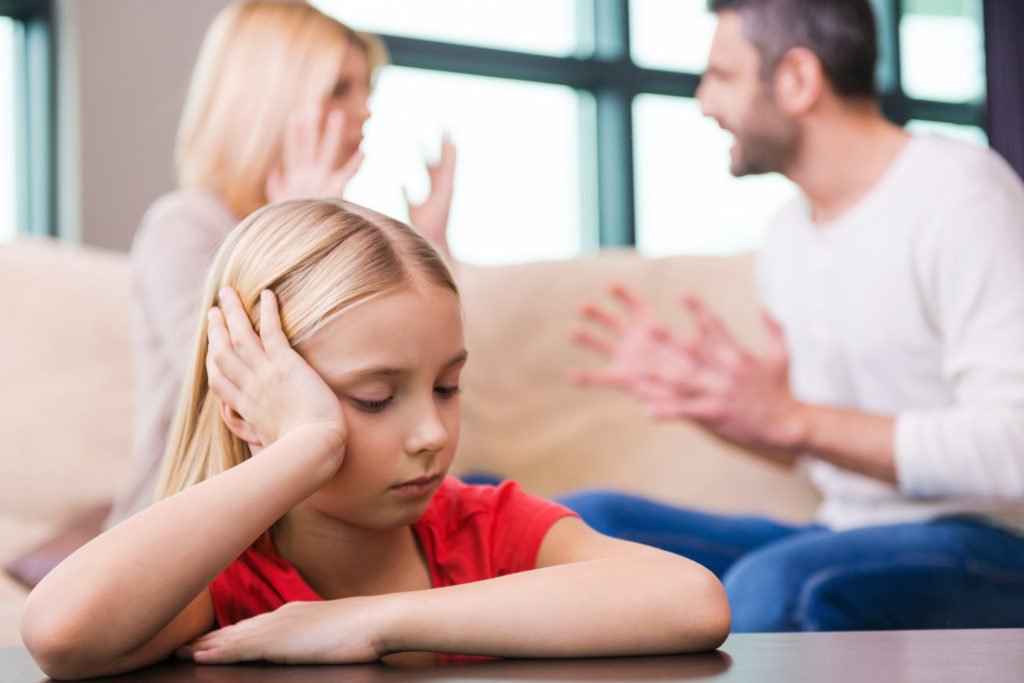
35, 116
612, 80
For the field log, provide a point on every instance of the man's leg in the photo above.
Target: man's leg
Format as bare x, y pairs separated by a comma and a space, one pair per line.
953, 573
715, 541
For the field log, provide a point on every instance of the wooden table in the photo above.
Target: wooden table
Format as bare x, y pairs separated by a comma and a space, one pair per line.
967, 656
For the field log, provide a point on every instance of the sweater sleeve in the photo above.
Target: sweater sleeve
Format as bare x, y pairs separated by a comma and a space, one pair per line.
971, 266
172, 251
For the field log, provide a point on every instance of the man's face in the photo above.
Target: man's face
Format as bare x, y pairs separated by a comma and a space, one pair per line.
733, 93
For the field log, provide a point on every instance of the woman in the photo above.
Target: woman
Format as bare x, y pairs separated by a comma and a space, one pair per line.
275, 110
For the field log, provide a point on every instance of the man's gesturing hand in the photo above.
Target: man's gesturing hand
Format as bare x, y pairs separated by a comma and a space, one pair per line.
709, 377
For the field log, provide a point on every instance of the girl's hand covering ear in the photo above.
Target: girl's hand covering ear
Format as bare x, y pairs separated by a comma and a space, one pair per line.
263, 378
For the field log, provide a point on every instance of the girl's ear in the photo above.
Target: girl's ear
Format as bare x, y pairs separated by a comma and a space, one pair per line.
238, 426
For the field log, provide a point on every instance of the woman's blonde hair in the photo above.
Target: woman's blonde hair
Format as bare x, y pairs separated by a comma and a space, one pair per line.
320, 257
260, 60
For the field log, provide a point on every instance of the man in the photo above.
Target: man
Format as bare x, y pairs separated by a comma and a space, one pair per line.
894, 297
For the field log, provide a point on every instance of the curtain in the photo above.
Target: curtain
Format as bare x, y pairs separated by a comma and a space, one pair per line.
1004, 66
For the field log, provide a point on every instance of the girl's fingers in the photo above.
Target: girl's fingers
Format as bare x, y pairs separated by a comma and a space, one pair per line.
221, 354
271, 334
243, 337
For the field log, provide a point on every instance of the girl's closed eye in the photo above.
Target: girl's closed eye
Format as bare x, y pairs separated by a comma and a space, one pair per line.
372, 405
448, 392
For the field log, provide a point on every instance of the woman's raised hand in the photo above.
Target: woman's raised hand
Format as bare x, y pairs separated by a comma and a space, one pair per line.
264, 380
309, 159
431, 217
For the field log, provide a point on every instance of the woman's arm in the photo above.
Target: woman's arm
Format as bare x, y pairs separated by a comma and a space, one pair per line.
137, 592
589, 596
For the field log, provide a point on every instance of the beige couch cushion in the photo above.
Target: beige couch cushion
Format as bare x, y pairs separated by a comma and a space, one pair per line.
522, 420
65, 373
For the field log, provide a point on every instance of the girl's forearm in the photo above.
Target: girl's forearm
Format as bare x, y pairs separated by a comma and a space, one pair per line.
118, 592
620, 606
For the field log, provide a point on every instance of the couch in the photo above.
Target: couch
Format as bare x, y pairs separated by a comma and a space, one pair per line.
66, 391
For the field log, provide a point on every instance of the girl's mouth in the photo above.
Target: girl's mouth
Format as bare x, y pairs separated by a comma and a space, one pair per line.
418, 487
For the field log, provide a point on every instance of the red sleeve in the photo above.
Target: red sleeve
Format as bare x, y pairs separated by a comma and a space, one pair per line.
470, 533
258, 581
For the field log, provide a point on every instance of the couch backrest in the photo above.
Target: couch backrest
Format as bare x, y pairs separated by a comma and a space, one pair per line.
523, 420
65, 377
66, 387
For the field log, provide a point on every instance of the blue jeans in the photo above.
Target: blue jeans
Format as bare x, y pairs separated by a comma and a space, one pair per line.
950, 573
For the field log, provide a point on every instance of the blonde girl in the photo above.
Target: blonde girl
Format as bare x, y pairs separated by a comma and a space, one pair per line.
275, 109
306, 510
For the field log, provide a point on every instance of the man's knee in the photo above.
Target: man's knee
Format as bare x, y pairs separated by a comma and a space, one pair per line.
797, 586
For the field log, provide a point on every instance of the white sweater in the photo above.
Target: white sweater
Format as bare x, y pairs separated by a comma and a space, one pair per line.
911, 305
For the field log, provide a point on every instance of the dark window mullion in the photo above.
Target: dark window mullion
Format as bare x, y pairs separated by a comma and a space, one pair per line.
614, 113
34, 116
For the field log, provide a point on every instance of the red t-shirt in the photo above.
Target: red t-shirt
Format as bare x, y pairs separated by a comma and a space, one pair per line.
468, 533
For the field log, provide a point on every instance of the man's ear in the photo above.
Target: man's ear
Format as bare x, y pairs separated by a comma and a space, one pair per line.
238, 426
799, 81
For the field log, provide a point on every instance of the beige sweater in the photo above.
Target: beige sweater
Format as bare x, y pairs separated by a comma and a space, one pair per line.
170, 255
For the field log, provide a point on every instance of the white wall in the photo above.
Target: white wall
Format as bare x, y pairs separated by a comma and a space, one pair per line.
123, 69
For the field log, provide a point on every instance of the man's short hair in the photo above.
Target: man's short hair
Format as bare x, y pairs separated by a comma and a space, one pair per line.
841, 33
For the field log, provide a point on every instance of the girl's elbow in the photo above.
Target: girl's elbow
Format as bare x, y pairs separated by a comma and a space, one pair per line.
57, 645
710, 619
718, 618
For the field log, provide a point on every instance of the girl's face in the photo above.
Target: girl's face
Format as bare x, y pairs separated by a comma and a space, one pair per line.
394, 363
351, 96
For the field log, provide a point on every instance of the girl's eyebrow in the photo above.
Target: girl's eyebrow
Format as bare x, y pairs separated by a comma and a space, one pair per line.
388, 371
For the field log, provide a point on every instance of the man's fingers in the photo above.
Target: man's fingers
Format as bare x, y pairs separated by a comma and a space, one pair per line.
595, 378
635, 305
599, 315
776, 337
696, 409
707, 323
584, 338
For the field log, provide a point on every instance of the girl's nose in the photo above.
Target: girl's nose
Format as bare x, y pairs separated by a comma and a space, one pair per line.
428, 433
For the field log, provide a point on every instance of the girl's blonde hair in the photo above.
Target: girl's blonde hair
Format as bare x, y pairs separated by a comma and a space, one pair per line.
260, 60
320, 257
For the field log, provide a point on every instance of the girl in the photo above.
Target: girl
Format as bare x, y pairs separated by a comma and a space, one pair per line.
275, 110
305, 506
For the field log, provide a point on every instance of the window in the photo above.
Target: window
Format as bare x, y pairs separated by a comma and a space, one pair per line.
27, 174
546, 27
580, 129
518, 172
687, 201
942, 51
